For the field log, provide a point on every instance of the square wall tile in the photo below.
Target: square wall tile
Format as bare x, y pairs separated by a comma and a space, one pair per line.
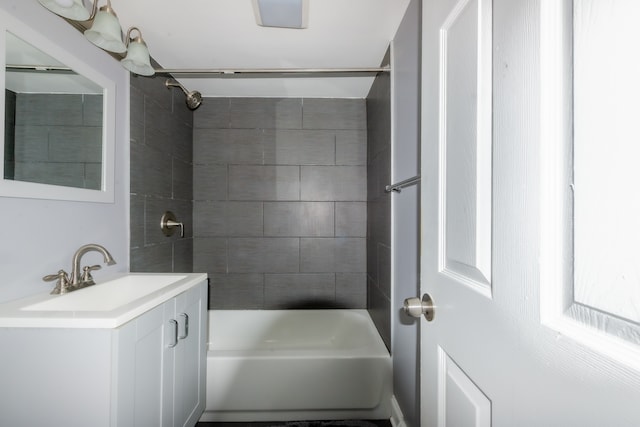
323, 113
213, 113
210, 254
236, 291
351, 219
210, 182
294, 219
224, 146
264, 182
299, 147
351, 147
228, 219
296, 291
266, 113
333, 183
183, 256
136, 218
152, 259
351, 290
150, 171
340, 255
264, 255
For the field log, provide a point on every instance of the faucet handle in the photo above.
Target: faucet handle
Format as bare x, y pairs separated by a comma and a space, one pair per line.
62, 286
87, 279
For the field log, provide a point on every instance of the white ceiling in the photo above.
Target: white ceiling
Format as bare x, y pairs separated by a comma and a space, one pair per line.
214, 34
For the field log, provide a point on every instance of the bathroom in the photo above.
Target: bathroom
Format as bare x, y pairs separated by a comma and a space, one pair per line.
333, 257
506, 159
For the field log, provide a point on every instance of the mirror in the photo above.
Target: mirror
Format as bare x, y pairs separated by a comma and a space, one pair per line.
58, 127
53, 120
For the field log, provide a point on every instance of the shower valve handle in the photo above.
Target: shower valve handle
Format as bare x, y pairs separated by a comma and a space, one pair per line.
168, 223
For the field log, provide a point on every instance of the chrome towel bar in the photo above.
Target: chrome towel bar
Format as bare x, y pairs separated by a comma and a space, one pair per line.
402, 184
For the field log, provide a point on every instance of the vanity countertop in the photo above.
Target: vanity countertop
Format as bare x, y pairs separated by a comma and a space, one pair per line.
105, 305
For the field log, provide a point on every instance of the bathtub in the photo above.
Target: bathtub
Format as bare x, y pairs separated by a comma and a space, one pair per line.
286, 365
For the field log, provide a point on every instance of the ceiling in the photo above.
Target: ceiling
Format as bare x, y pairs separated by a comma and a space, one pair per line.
215, 34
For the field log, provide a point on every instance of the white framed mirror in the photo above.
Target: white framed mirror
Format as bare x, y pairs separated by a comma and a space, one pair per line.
59, 120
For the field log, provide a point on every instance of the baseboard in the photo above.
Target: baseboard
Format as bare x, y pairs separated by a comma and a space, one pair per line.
397, 419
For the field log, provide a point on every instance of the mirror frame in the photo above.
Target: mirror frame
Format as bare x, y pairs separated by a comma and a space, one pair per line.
21, 189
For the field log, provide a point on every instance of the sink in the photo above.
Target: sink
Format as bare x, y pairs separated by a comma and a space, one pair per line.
107, 296
108, 304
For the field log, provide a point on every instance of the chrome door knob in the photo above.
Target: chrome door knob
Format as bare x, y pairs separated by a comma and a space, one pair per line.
416, 307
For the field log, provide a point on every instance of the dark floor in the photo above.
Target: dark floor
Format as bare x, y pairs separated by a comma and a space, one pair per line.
343, 423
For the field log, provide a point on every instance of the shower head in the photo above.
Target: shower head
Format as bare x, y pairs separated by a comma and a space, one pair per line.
194, 98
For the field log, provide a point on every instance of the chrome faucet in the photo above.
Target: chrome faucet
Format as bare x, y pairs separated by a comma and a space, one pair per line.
67, 284
78, 280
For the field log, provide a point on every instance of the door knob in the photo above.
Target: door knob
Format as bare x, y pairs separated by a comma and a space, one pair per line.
416, 307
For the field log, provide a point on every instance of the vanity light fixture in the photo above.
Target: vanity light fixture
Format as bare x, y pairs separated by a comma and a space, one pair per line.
105, 32
70, 9
137, 60
103, 29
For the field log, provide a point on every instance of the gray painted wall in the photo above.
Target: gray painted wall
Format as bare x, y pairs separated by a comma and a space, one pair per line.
406, 207
280, 202
44, 234
161, 176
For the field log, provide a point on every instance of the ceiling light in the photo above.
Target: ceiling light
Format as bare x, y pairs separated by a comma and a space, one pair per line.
71, 9
106, 32
281, 13
137, 60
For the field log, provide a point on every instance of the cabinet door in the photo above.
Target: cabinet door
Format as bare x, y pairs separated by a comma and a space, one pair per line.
190, 354
148, 366
167, 373
139, 364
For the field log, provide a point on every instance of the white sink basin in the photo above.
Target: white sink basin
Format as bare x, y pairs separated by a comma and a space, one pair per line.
109, 304
106, 296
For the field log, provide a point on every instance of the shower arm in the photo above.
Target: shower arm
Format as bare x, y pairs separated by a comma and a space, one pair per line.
174, 83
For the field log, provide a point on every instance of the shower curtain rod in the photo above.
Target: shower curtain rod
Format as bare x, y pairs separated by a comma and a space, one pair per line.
229, 72
226, 72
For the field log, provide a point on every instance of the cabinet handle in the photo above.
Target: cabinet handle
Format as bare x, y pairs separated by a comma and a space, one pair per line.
175, 333
186, 326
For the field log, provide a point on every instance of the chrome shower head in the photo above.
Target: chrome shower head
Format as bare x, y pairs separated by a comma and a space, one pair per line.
194, 98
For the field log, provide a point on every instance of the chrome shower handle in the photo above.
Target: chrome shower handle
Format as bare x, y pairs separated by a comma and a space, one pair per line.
168, 222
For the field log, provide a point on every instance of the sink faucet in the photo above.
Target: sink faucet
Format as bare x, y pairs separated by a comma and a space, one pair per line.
80, 281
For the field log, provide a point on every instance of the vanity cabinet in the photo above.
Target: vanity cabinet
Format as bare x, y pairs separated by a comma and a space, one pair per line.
149, 371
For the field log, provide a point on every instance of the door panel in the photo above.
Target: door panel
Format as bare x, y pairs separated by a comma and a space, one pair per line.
462, 403
465, 143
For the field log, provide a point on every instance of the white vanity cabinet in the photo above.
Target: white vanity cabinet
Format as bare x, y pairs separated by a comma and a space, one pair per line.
150, 371
163, 354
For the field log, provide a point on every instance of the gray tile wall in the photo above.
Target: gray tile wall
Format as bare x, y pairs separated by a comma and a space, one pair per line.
57, 139
379, 205
9, 133
161, 176
280, 202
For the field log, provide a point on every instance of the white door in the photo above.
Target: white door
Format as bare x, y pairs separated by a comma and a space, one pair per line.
530, 205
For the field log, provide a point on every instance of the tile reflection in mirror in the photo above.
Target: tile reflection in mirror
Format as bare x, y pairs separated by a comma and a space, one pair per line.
53, 120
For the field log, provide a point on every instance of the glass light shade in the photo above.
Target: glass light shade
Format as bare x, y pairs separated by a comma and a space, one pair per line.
71, 9
106, 32
137, 60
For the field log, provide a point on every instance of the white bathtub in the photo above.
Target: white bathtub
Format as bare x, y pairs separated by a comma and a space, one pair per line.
284, 365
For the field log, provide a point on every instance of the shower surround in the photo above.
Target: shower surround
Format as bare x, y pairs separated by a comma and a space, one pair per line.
280, 202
